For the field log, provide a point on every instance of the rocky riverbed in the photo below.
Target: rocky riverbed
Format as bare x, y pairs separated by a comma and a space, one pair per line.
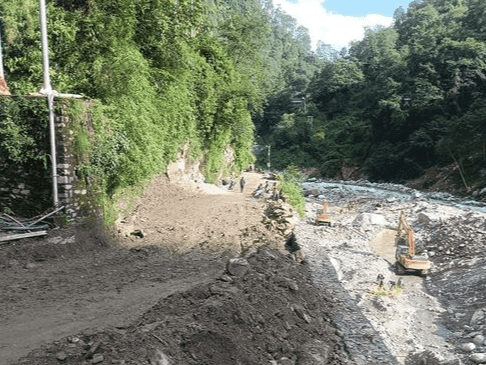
432, 320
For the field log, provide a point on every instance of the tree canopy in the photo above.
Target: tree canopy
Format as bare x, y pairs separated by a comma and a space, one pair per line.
401, 100
213, 75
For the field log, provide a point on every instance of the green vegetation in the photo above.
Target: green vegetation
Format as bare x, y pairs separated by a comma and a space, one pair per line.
291, 186
215, 77
160, 76
22, 141
403, 99
386, 292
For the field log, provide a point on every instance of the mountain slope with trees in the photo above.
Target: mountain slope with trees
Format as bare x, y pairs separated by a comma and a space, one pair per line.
160, 76
403, 99
214, 76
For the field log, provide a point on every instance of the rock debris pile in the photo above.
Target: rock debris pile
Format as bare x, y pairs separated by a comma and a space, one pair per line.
453, 240
439, 320
262, 310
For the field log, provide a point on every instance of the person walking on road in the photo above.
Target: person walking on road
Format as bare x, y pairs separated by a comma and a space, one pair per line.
242, 184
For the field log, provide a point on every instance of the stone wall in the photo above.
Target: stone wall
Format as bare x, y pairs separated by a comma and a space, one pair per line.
26, 188
72, 192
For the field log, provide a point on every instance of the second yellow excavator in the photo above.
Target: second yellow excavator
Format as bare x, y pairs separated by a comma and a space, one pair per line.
407, 261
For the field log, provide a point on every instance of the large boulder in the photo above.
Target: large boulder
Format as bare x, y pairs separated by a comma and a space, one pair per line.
478, 358
237, 267
423, 358
369, 219
467, 347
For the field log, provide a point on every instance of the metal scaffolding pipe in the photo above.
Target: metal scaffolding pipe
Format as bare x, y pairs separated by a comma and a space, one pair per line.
47, 90
45, 49
52, 132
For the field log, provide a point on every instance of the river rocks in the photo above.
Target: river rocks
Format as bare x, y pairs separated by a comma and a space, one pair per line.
477, 316
478, 358
366, 219
61, 356
478, 340
467, 347
450, 234
423, 358
458, 237
452, 362
310, 192
423, 218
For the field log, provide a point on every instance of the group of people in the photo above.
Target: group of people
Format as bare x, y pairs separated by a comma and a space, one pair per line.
267, 190
380, 280
242, 184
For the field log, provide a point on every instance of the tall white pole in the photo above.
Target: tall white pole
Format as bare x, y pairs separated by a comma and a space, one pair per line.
1, 59
45, 49
268, 163
47, 90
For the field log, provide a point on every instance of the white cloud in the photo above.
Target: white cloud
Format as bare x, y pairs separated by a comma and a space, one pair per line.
330, 27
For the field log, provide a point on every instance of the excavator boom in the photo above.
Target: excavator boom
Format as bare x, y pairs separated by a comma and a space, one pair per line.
405, 252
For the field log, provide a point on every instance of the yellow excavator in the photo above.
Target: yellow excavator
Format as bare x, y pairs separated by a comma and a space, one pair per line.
407, 261
323, 217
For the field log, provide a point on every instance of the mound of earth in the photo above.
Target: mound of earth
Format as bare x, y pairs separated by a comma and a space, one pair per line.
266, 312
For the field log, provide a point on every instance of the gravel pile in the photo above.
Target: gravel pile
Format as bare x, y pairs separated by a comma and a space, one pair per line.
429, 321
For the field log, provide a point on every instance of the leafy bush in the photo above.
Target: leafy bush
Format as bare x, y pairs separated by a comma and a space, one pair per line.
291, 181
21, 140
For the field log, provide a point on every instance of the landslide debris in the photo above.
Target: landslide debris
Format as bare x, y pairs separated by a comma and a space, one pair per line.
439, 319
266, 312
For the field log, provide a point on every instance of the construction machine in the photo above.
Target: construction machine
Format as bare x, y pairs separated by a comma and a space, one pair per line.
407, 261
323, 217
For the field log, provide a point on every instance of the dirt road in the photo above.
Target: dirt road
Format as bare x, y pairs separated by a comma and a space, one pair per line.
50, 290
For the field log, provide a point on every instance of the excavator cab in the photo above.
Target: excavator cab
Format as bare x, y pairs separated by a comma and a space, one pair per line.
407, 261
401, 250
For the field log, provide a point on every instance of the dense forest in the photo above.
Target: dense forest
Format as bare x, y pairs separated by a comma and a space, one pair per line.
401, 100
214, 76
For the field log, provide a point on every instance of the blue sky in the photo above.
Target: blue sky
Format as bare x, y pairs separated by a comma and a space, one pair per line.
338, 22
361, 8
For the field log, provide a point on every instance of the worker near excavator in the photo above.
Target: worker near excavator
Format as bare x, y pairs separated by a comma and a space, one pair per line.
380, 279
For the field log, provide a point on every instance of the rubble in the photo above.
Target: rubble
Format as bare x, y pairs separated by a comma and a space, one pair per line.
264, 307
423, 318
478, 358
271, 314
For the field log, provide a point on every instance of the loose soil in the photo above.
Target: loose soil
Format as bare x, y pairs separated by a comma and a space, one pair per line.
159, 295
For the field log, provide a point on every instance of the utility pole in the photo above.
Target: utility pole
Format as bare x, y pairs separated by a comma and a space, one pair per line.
1, 58
50, 94
268, 163
47, 90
